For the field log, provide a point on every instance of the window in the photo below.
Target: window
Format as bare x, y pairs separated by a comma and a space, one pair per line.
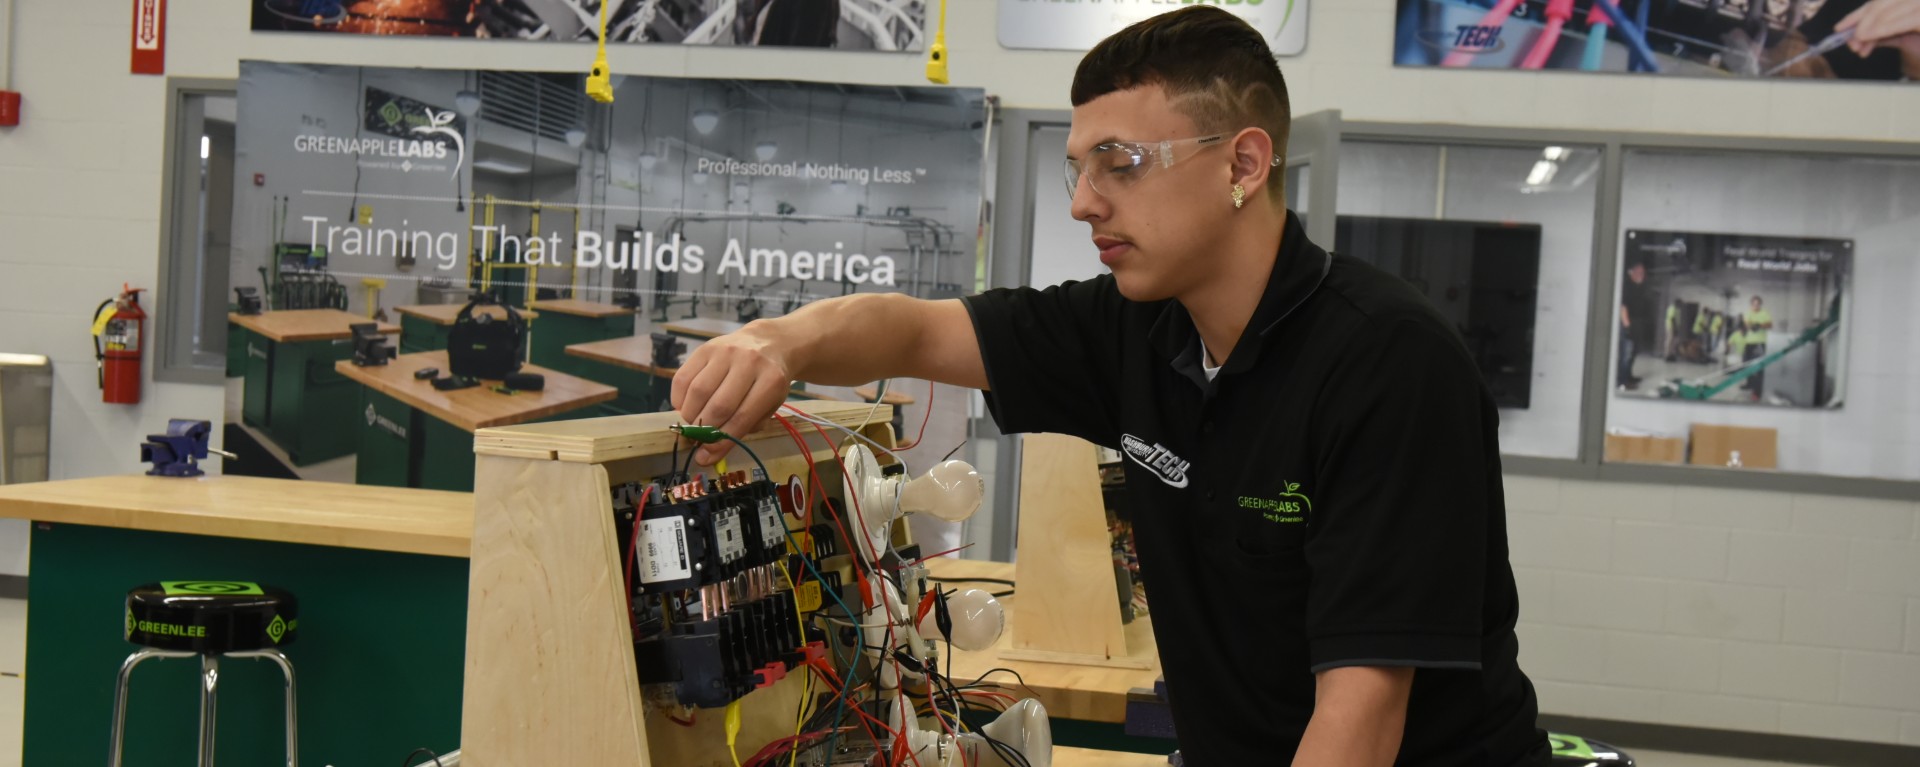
197, 241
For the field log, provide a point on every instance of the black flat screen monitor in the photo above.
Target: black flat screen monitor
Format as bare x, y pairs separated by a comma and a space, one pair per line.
1484, 277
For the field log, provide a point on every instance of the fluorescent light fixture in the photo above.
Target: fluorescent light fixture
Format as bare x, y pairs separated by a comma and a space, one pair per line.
576, 136
838, 185
766, 150
23, 359
206, 147
648, 159
467, 103
740, 189
500, 166
1557, 153
1542, 173
700, 177
705, 120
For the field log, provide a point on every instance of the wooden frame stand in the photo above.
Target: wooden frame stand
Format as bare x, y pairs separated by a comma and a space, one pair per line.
550, 671
1069, 606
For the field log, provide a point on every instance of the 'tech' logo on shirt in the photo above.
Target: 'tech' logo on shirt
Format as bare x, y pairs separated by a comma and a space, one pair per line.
1157, 459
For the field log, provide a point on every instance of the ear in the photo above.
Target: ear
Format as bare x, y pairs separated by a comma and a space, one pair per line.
1252, 159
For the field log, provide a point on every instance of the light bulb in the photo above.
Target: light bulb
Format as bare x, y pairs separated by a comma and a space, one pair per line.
467, 103
766, 150
705, 121
951, 491
838, 185
978, 619
576, 137
648, 160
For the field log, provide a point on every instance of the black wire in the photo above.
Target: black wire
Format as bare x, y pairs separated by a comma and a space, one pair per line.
407, 762
996, 594
956, 449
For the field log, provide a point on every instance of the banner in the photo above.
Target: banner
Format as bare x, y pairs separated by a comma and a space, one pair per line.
1078, 26
881, 25
1809, 39
1733, 318
747, 197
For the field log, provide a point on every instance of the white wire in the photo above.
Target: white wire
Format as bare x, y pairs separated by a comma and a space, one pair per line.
802, 415
879, 397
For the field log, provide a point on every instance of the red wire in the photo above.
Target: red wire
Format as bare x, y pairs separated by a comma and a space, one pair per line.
859, 574
858, 515
633, 544
923, 422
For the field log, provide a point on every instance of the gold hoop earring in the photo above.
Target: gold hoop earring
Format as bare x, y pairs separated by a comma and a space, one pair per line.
1239, 196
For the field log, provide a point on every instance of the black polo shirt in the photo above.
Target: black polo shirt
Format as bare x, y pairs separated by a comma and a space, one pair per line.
1332, 498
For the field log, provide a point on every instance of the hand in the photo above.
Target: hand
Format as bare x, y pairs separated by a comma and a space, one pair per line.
1885, 24
734, 382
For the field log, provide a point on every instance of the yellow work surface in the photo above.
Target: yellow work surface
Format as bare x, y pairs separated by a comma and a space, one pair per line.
631, 352
476, 407
579, 308
305, 324
701, 327
292, 511
1090, 693
446, 314
1087, 757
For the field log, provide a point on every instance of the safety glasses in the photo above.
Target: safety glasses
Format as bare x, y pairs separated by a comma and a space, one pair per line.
1116, 166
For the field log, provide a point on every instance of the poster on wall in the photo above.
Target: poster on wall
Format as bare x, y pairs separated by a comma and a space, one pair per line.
1733, 318
399, 195
1805, 39
1058, 26
879, 25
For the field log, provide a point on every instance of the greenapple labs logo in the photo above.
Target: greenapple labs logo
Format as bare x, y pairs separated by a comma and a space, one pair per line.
1291, 507
439, 124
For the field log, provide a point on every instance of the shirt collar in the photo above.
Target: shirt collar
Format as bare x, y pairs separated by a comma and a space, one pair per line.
1298, 270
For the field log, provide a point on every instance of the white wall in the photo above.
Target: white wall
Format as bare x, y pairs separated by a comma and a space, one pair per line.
1762, 612
1692, 581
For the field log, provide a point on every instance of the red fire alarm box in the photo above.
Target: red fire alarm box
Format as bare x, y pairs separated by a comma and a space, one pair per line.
9, 109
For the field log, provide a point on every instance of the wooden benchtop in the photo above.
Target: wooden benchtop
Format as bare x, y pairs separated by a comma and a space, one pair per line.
894, 395
477, 407
293, 511
579, 308
631, 352
1088, 693
701, 327
1087, 757
445, 314
612, 438
296, 325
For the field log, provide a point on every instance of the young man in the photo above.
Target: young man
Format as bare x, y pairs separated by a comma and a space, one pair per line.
1314, 475
1759, 322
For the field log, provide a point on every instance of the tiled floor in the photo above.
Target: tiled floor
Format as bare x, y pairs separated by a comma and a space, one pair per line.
13, 661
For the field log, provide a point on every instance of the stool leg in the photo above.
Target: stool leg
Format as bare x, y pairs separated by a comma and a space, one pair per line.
117, 739
286, 668
209, 691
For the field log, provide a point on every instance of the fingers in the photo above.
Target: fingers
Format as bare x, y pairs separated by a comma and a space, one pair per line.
765, 396
683, 381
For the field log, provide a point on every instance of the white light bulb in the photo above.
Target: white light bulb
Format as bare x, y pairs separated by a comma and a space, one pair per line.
467, 103
951, 491
648, 160
700, 177
576, 137
978, 620
766, 150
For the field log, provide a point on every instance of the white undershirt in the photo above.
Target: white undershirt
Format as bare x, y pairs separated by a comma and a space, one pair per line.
1205, 358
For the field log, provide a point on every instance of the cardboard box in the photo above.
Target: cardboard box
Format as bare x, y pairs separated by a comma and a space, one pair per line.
1757, 448
1645, 448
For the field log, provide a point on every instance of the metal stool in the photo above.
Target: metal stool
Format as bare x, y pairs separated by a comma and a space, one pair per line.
210, 620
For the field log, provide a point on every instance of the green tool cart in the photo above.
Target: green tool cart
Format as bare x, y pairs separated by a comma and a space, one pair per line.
626, 363
571, 321
292, 393
413, 435
382, 579
424, 327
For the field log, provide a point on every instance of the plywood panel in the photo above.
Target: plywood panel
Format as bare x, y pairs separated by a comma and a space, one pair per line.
613, 438
1069, 607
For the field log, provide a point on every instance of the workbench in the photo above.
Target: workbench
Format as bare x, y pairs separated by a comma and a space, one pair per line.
570, 321
381, 575
627, 364
425, 327
702, 328
413, 435
292, 393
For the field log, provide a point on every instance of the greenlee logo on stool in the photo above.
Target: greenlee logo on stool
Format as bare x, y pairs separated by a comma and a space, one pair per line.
277, 629
210, 588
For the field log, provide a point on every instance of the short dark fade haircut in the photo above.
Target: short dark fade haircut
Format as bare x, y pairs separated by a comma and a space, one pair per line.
1217, 70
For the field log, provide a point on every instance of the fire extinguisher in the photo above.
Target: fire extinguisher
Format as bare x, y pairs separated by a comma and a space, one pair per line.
124, 331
